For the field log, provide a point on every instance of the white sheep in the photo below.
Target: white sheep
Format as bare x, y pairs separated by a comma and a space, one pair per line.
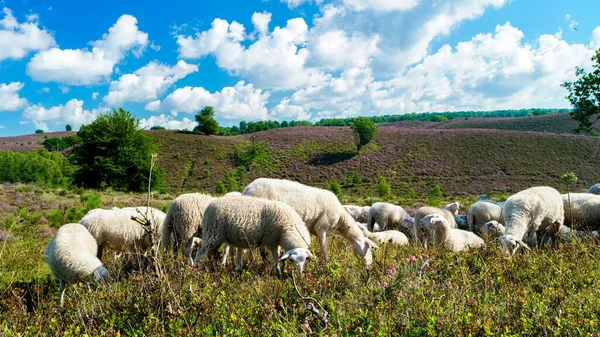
493, 228
183, 222
247, 222
383, 215
320, 209
71, 256
390, 236
455, 239
594, 189
422, 212
585, 210
358, 213
537, 210
116, 230
232, 194
567, 234
453, 208
483, 212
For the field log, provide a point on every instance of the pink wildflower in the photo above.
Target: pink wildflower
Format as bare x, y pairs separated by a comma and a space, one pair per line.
385, 284
407, 260
413, 258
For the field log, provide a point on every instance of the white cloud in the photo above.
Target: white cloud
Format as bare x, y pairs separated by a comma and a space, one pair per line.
146, 83
64, 89
71, 113
45, 89
274, 61
381, 5
9, 96
261, 22
18, 39
284, 110
95, 95
595, 40
82, 66
167, 122
241, 101
573, 24
296, 3
2, 127
334, 50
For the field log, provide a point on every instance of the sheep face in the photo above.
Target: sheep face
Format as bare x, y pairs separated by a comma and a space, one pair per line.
363, 247
510, 244
298, 256
101, 275
453, 208
407, 223
492, 227
433, 221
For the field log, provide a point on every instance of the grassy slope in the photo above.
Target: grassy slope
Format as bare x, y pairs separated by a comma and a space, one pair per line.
461, 161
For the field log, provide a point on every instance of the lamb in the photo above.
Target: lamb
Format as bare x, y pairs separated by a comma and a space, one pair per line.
585, 210
483, 212
320, 209
391, 236
116, 230
453, 208
594, 189
423, 212
536, 210
71, 256
456, 240
182, 223
383, 215
358, 213
246, 222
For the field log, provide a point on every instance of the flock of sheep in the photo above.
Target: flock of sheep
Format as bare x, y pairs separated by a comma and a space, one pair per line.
282, 214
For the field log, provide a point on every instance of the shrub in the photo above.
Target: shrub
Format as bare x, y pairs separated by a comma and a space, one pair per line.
206, 121
115, 153
40, 167
91, 201
220, 188
157, 127
356, 178
384, 188
55, 144
365, 131
68, 127
56, 217
335, 187
39, 131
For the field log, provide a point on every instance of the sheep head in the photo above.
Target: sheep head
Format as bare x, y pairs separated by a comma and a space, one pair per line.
298, 256
493, 227
363, 247
433, 221
407, 223
101, 275
510, 244
453, 208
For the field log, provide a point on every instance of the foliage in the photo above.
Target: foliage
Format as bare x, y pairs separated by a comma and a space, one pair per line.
365, 131
251, 152
40, 167
356, 178
157, 127
384, 188
584, 95
207, 124
569, 178
39, 131
438, 118
55, 144
68, 127
435, 195
71, 140
335, 187
114, 153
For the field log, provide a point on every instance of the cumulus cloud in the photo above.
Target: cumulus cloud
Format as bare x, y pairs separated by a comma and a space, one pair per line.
9, 96
335, 50
595, 40
71, 112
146, 83
82, 66
19, 39
381, 5
296, 3
241, 101
168, 122
95, 95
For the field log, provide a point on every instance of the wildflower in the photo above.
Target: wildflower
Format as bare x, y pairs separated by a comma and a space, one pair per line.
360, 329
407, 260
378, 284
420, 257
385, 284
427, 264
307, 326
334, 335
413, 258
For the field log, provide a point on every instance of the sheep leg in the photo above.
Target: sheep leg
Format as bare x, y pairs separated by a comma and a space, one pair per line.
62, 288
239, 258
322, 237
275, 254
225, 253
187, 250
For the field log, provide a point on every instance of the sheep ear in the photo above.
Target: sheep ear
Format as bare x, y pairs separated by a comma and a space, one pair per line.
285, 256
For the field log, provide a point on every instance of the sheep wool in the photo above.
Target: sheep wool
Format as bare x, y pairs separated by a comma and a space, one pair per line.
456, 240
537, 210
483, 212
392, 237
585, 210
71, 256
358, 213
422, 212
383, 215
320, 209
247, 222
116, 230
183, 223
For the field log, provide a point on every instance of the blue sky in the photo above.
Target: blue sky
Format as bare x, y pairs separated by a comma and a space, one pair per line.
64, 62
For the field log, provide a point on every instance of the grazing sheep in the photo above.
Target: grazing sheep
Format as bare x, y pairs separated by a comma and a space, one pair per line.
116, 230
394, 237
71, 256
567, 234
594, 189
320, 209
585, 210
383, 215
182, 222
358, 213
232, 194
492, 228
246, 222
483, 212
537, 210
455, 239
461, 221
416, 231
453, 208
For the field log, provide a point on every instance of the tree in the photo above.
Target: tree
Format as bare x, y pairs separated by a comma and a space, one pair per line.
157, 127
114, 152
206, 121
365, 131
68, 127
55, 144
584, 95
39, 131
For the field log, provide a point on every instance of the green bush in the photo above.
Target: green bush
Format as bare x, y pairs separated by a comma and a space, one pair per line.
55, 144
39, 167
356, 178
365, 131
335, 187
56, 217
91, 201
384, 188
220, 188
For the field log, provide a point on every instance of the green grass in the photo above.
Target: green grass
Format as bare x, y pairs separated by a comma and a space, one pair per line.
478, 293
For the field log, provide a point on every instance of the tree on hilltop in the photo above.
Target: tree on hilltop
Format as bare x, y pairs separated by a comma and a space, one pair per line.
207, 124
584, 95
